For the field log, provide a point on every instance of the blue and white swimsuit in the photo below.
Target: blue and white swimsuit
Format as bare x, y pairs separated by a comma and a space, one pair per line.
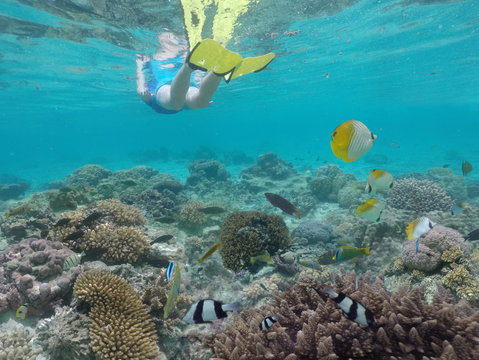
162, 73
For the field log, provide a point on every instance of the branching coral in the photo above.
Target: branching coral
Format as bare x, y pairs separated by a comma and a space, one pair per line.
247, 234
120, 326
106, 226
16, 345
311, 326
190, 217
420, 196
65, 335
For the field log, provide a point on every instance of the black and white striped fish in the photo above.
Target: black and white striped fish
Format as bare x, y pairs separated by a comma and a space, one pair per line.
352, 309
268, 322
208, 310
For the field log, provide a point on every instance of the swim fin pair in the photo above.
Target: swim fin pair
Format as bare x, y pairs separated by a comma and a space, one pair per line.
209, 55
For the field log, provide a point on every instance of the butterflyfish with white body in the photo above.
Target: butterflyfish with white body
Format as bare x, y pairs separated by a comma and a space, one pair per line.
417, 228
378, 180
370, 210
22, 312
351, 140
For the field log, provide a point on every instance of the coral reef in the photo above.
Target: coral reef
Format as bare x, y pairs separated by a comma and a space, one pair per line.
70, 198
454, 185
314, 231
88, 175
107, 226
65, 335
155, 204
190, 217
206, 171
311, 326
431, 248
247, 234
32, 273
120, 326
270, 166
420, 196
13, 191
327, 181
16, 345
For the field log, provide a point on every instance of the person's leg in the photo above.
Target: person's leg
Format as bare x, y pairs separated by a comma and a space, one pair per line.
172, 97
201, 98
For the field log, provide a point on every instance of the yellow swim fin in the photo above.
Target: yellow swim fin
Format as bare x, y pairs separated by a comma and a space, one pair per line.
209, 55
249, 65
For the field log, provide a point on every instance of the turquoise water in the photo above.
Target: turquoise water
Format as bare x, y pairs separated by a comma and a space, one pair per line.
407, 70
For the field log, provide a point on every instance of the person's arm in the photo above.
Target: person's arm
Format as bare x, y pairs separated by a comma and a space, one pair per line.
141, 88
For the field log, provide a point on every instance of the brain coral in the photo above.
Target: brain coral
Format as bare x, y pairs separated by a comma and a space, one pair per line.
120, 326
247, 234
418, 195
311, 326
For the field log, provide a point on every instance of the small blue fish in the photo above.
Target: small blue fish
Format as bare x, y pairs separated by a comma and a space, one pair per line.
170, 271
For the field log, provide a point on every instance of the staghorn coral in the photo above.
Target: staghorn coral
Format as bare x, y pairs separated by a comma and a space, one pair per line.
120, 326
106, 227
420, 196
311, 326
247, 234
65, 335
190, 217
15, 345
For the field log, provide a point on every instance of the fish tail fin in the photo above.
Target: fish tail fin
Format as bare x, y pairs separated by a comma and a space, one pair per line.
368, 188
328, 290
200, 260
366, 251
231, 307
298, 214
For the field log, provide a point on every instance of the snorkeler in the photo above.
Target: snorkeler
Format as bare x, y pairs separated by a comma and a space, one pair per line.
170, 88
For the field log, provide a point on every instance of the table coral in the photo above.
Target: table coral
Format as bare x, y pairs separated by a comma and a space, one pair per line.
107, 226
311, 326
120, 326
31, 272
247, 234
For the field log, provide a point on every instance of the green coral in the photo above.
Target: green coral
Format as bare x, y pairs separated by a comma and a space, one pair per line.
247, 234
460, 280
452, 254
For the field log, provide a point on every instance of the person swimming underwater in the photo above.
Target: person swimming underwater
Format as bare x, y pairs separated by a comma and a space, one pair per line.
170, 88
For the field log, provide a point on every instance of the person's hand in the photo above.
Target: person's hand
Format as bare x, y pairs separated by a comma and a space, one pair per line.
141, 59
146, 96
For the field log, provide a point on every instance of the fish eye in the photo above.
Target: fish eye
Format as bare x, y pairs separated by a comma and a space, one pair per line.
334, 133
372, 136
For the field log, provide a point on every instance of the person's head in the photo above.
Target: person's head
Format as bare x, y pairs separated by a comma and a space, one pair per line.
170, 44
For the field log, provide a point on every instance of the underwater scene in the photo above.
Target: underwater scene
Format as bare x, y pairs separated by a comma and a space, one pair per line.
239, 179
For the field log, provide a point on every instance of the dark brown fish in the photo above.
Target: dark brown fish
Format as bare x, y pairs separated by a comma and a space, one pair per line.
162, 238
166, 219
92, 217
283, 204
62, 222
466, 168
473, 235
210, 210
75, 235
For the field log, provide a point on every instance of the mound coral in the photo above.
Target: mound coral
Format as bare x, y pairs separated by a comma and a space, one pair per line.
88, 175
190, 217
106, 225
120, 326
327, 181
206, 171
311, 326
270, 166
420, 196
31, 272
16, 345
247, 234
65, 335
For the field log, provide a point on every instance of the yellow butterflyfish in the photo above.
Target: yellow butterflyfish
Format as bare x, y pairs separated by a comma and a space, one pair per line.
351, 140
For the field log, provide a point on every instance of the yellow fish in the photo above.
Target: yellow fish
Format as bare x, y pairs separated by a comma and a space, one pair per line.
378, 180
22, 312
370, 210
262, 258
19, 210
351, 140
466, 168
210, 251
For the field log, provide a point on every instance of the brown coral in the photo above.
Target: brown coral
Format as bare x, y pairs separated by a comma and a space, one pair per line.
247, 234
120, 326
16, 344
190, 217
311, 326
